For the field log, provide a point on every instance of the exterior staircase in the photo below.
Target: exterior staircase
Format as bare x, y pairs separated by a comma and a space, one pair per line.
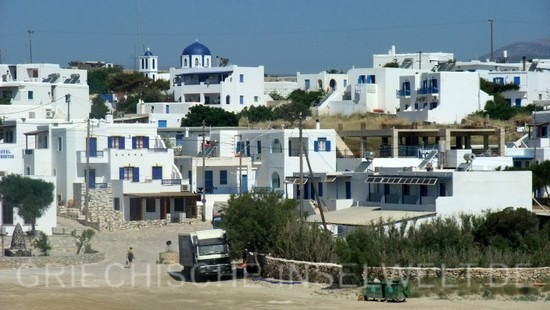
342, 149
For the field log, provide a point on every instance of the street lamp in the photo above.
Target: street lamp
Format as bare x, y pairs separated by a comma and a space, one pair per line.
30, 32
491, 23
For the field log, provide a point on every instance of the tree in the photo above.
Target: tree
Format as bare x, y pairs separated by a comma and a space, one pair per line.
43, 244
253, 220
31, 196
541, 176
393, 64
276, 96
126, 82
307, 98
97, 79
256, 114
291, 112
84, 241
99, 109
510, 228
211, 116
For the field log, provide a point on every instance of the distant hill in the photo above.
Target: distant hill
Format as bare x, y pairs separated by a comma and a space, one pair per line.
530, 49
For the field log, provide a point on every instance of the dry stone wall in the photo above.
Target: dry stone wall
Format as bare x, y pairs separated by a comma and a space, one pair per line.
49, 261
101, 215
334, 274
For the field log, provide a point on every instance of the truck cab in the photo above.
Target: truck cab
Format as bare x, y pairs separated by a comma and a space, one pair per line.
204, 253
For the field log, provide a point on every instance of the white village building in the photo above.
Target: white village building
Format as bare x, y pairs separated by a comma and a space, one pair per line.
241, 160
440, 97
229, 87
43, 91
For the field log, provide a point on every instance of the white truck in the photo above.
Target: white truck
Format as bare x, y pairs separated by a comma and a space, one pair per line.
204, 254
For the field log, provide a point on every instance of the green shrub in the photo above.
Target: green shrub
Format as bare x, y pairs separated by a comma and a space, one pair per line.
43, 244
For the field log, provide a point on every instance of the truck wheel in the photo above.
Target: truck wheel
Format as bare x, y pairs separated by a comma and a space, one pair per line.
187, 274
198, 277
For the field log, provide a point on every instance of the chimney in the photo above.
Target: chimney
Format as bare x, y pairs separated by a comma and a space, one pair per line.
523, 60
317, 124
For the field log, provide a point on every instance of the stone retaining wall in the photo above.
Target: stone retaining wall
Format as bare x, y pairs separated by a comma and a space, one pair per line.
283, 269
50, 261
101, 215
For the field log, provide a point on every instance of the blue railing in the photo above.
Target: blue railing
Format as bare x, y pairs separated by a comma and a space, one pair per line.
428, 90
171, 182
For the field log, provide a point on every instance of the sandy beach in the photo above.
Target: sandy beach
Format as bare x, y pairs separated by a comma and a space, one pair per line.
148, 285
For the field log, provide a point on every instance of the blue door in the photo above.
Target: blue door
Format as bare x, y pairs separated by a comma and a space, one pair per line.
93, 147
91, 178
157, 173
348, 190
208, 181
245, 183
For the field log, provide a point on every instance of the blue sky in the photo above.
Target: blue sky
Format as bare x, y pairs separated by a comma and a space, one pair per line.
282, 35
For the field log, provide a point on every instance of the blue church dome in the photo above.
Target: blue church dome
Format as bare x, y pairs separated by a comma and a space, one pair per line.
196, 49
148, 53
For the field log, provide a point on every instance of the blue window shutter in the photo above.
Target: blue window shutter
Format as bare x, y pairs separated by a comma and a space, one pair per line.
320, 191
121, 173
157, 173
146, 142
134, 143
121, 143
327, 145
136, 175
109, 142
223, 176
259, 146
517, 80
316, 146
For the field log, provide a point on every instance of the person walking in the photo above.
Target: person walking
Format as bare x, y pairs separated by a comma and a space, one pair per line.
129, 257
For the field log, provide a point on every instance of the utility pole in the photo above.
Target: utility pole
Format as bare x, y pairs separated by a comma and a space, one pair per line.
87, 174
68, 101
203, 210
30, 32
301, 170
240, 164
314, 192
491, 23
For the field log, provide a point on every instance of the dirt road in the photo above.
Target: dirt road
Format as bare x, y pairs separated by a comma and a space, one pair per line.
108, 285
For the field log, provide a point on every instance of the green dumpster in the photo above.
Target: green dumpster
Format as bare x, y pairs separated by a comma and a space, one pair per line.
375, 291
396, 290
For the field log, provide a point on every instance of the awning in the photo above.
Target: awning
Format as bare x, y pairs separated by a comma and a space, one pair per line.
295, 180
35, 132
401, 180
162, 195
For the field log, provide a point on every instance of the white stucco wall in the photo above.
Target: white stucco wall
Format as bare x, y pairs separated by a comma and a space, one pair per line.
476, 191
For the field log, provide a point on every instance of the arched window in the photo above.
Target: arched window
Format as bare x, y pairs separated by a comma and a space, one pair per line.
227, 99
276, 146
208, 62
275, 181
196, 62
185, 62
320, 82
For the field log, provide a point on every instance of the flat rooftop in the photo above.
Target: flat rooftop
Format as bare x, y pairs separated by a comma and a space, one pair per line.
366, 216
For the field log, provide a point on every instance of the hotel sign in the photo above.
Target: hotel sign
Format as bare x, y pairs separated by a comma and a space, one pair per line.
6, 154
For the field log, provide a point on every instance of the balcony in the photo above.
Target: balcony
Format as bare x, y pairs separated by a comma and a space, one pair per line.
97, 157
428, 91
